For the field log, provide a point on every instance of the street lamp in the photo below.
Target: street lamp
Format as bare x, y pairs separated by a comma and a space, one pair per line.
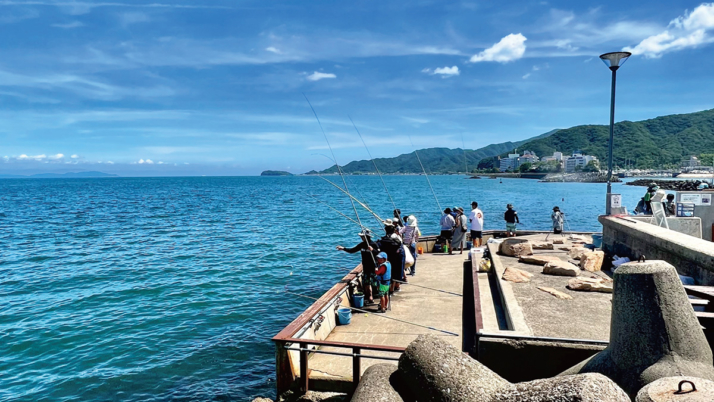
613, 61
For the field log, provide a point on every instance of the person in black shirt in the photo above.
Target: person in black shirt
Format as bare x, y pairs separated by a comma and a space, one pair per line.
368, 250
391, 244
511, 217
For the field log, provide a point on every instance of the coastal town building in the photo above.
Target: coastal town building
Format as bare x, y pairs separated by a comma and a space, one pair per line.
577, 161
692, 162
557, 157
514, 161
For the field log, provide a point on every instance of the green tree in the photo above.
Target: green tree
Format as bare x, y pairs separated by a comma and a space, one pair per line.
525, 168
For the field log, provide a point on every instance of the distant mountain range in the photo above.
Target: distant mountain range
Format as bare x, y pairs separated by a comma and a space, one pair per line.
70, 175
660, 142
435, 160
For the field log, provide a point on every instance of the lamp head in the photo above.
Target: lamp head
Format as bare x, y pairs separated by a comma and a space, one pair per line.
614, 60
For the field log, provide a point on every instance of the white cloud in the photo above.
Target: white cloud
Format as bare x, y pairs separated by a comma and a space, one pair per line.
317, 76
689, 30
273, 50
426, 70
69, 25
526, 76
141, 161
149, 162
510, 48
74, 156
56, 157
447, 71
110, 162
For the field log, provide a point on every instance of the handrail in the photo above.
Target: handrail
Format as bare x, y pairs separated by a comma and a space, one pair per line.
346, 345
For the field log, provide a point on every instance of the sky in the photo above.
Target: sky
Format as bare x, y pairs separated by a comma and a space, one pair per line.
213, 87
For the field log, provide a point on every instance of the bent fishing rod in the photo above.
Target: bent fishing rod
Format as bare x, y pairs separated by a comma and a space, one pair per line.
376, 315
374, 163
425, 174
381, 221
335, 209
364, 199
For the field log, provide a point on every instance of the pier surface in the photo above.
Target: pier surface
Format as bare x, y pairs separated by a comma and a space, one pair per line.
413, 304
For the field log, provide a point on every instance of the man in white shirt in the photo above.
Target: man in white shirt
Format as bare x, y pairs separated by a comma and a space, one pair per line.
476, 221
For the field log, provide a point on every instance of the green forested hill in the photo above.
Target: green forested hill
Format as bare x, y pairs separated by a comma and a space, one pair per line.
659, 142
435, 160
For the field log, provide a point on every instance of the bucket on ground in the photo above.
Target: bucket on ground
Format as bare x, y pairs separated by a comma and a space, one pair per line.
344, 315
358, 300
420, 250
597, 241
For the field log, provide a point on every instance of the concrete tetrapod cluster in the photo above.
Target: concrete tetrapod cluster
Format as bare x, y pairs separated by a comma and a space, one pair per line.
653, 333
433, 370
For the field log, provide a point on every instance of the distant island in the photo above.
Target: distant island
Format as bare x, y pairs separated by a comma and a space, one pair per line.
275, 173
69, 175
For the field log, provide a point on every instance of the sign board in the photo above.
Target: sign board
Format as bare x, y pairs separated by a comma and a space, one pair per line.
695, 199
615, 200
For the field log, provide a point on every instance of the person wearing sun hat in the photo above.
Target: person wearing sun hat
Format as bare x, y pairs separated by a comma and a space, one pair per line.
410, 233
383, 279
460, 229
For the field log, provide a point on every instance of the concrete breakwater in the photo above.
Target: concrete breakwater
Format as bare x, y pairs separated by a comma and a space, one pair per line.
592, 177
674, 185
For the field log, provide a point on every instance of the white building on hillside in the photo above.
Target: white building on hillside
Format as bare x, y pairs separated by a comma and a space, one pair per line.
510, 163
577, 160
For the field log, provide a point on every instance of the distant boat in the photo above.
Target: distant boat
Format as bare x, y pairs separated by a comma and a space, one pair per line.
475, 177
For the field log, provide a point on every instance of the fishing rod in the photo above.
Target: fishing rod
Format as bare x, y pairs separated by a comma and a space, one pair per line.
374, 163
466, 163
355, 199
382, 316
425, 174
332, 208
333, 158
419, 286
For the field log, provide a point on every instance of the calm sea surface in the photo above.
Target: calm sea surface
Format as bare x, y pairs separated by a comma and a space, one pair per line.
156, 289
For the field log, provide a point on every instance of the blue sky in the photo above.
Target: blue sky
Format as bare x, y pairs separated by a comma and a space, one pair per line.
215, 87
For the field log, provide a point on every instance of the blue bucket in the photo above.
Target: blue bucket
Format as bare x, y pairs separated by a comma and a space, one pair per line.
597, 241
358, 300
344, 315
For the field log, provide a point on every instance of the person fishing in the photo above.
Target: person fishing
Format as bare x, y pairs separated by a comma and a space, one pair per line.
558, 219
447, 226
476, 220
398, 218
410, 235
391, 244
368, 250
651, 191
383, 279
460, 229
511, 218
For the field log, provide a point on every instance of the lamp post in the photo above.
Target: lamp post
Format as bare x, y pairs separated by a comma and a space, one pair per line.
613, 61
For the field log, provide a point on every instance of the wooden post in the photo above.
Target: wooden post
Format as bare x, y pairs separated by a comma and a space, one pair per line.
356, 366
304, 375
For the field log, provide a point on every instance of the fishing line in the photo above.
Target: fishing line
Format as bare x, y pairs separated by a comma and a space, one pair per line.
355, 199
425, 174
376, 315
336, 210
466, 164
374, 163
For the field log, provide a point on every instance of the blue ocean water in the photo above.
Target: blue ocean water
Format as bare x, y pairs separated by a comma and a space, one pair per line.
155, 289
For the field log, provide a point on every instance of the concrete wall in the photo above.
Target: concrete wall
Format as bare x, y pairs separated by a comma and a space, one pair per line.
627, 237
685, 225
705, 212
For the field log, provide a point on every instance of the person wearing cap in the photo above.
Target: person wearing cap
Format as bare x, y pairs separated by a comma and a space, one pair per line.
460, 229
511, 218
558, 219
368, 250
391, 244
410, 235
476, 221
447, 225
383, 279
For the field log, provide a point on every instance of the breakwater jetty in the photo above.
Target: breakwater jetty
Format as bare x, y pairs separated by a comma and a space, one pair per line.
591, 177
673, 185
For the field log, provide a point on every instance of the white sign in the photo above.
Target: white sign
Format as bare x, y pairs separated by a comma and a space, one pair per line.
695, 199
615, 200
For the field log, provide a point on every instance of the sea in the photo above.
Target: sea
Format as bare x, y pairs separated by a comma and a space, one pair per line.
158, 289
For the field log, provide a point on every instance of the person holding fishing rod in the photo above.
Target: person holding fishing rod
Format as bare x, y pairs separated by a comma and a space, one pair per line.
391, 244
368, 251
410, 235
447, 223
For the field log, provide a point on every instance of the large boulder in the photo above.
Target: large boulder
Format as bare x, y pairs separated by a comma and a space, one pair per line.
516, 275
668, 390
576, 252
556, 293
560, 268
515, 247
592, 261
438, 371
542, 246
378, 383
572, 388
653, 333
538, 259
590, 284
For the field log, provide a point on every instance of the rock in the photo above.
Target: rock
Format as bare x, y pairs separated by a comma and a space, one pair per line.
573, 388
262, 400
590, 285
542, 246
538, 259
653, 333
666, 390
556, 293
515, 247
438, 371
564, 248
576, 252
576, 238
592, 261
558, 241
560, 268
516, 275
312, 396
377, 384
